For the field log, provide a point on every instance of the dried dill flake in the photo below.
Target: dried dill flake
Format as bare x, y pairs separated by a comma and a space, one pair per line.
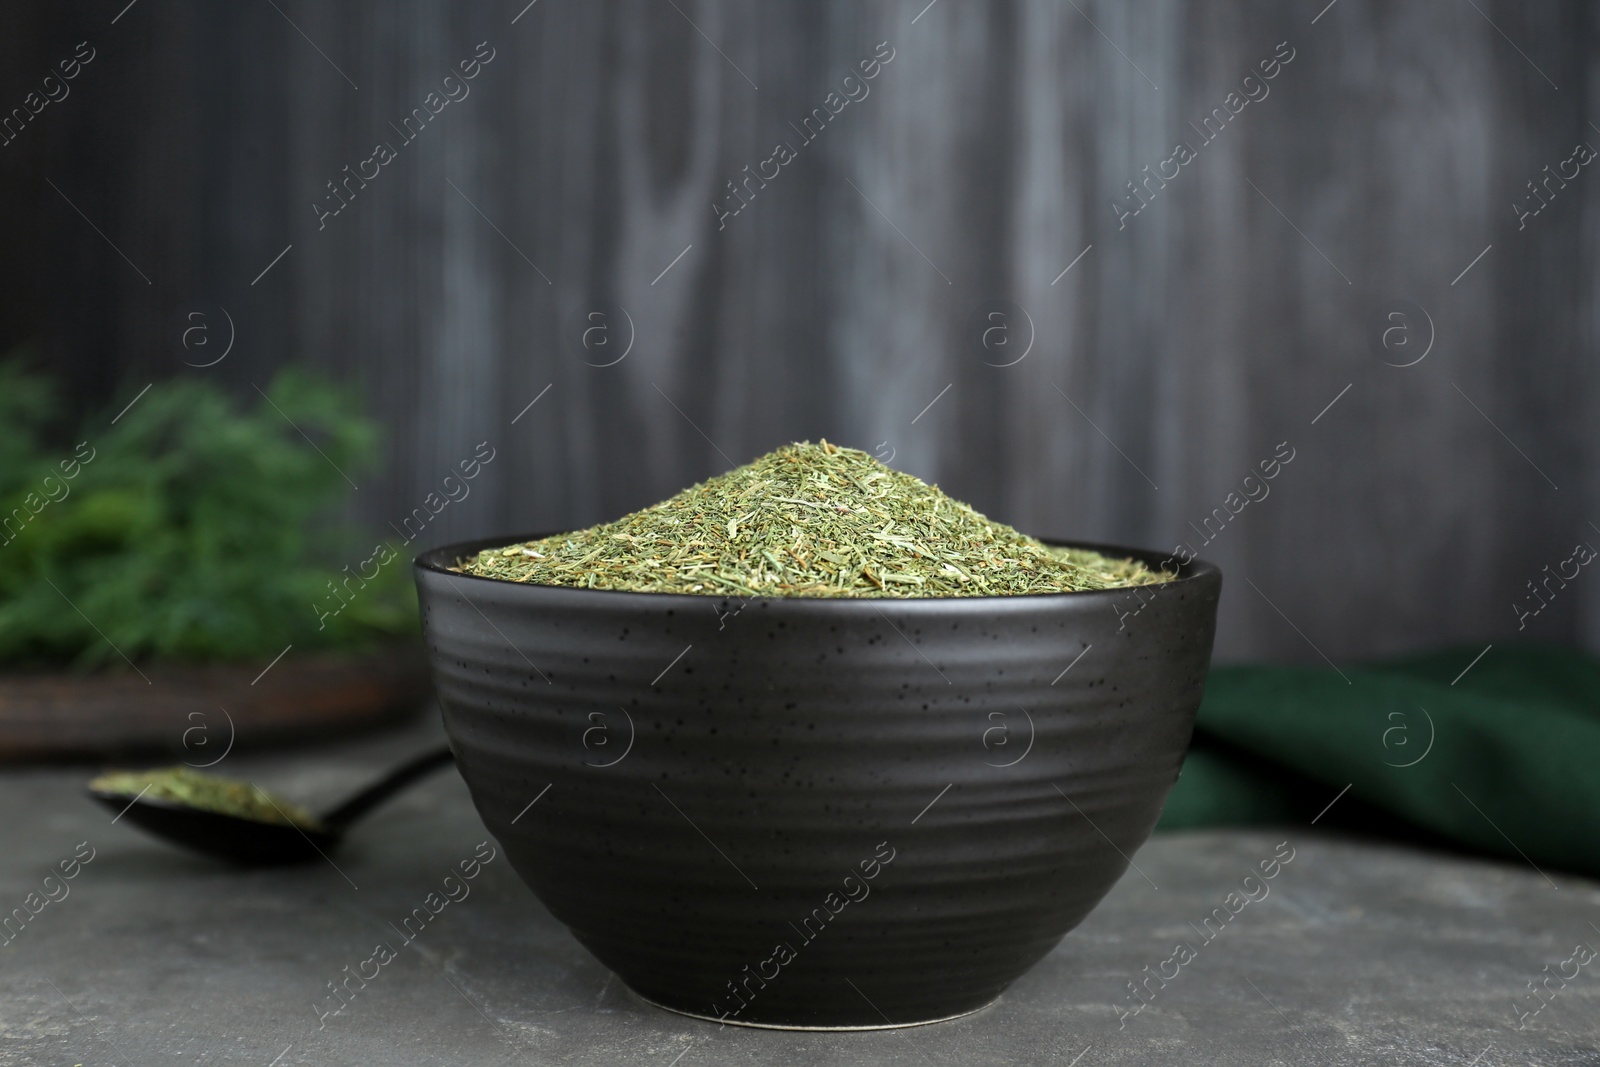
809, 521
180, 785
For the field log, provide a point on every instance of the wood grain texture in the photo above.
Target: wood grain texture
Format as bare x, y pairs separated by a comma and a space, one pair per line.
856, 285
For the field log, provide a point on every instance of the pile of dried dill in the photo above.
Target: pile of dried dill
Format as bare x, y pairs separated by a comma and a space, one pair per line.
814, 521
180, 785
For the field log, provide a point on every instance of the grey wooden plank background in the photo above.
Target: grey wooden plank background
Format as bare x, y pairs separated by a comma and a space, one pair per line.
862, 282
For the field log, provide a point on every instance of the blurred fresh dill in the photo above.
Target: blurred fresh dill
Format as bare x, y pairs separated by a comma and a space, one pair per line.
193, 528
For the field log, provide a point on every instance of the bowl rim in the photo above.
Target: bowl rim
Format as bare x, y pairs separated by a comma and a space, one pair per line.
1191, 575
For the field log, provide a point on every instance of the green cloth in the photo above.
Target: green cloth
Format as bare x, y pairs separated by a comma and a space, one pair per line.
1513, 768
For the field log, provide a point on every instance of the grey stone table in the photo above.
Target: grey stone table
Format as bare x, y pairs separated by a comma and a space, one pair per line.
1360, 953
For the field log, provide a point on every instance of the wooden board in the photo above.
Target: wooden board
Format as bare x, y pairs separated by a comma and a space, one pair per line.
196, 713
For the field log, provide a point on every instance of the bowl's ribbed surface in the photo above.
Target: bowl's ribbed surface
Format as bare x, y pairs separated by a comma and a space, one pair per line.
712, 780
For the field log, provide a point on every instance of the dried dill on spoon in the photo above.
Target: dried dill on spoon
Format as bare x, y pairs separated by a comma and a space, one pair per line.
205, 792
809, 521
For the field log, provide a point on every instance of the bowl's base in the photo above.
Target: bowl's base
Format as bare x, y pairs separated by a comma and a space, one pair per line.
806, 1026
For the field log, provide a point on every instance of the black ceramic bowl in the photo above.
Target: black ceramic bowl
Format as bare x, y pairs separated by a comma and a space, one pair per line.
817, 813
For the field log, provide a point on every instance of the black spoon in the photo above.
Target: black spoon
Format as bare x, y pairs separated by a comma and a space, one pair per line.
256, 842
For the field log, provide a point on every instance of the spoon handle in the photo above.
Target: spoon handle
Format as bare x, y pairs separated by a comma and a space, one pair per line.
384, 788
